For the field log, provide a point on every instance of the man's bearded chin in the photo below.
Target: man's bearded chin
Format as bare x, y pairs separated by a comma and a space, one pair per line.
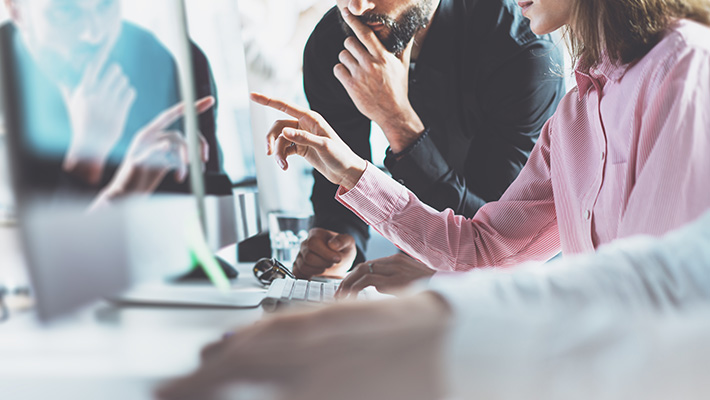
401, 31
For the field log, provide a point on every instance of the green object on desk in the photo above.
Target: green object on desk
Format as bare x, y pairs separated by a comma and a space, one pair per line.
200, 254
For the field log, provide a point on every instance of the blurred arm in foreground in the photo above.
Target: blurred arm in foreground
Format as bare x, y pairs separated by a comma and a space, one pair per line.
630, 321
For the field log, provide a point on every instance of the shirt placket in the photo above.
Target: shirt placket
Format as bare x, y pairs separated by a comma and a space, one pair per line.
598, 129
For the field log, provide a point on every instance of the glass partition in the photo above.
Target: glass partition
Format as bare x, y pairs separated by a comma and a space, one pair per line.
95, 127
98, 101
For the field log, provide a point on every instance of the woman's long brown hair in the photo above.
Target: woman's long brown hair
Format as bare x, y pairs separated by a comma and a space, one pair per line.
625, 30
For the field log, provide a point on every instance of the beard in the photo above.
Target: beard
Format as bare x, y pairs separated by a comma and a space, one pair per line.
401, 30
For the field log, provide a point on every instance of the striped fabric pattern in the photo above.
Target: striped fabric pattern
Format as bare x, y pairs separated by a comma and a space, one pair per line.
627, 152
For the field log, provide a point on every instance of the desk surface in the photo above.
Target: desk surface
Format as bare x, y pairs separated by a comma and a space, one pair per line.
110, 352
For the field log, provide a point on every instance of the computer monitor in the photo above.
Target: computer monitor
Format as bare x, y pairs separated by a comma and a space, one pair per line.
82, 87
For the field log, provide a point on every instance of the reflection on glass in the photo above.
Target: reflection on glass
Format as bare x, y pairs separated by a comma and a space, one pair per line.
98, 99
96, 115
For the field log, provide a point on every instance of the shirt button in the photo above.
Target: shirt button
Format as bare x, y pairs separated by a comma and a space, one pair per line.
587, 214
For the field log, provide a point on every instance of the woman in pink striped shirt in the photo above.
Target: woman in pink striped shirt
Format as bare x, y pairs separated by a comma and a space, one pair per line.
627, 151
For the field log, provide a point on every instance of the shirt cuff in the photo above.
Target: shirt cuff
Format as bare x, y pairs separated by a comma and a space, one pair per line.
421, 165
395, 156
375, 196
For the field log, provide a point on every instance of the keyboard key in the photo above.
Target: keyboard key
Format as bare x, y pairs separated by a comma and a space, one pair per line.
299, 290
314, 289
329, 292
276, 288
288, 287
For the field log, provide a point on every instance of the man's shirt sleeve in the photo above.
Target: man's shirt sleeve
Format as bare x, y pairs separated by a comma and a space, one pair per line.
518, 97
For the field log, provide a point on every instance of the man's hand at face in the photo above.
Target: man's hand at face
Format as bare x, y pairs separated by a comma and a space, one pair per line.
386, 274
98, 110
325, 253
377, 82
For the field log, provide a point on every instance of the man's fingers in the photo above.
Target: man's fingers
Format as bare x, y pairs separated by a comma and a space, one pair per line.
306, 271
182, 168
341, 242
318, 259
343, 75
406, 55
127, 99
172, 114
356, 50
199, 384
292, 110
347, 59
92, 71
205, 147
113, 79
217, 369
174, 154
213, 349
204, 104
315, 256
363, 32
182, 158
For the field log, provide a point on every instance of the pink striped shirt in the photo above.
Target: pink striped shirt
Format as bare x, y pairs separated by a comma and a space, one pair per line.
627, 152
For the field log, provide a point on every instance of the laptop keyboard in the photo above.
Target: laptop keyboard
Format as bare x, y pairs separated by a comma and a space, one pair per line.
283, 291
303, 292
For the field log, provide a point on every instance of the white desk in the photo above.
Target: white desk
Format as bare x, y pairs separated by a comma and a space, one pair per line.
110, 352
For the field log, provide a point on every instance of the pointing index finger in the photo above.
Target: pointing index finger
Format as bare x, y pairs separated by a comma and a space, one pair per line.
294, 111
164, 120
366, 36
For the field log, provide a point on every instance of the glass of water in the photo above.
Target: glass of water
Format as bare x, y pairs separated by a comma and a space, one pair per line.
286, 232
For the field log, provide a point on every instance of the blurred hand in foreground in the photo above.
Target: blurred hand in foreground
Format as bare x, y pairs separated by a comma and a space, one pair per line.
389, 349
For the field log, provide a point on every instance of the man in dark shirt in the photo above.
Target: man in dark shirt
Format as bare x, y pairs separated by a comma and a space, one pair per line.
460, 88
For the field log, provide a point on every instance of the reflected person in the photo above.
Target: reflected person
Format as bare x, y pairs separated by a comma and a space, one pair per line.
90, 83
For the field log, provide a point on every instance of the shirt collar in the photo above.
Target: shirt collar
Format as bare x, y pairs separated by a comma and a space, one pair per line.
605, 71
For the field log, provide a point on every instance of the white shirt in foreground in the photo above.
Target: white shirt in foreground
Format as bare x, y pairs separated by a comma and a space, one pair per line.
630, 321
